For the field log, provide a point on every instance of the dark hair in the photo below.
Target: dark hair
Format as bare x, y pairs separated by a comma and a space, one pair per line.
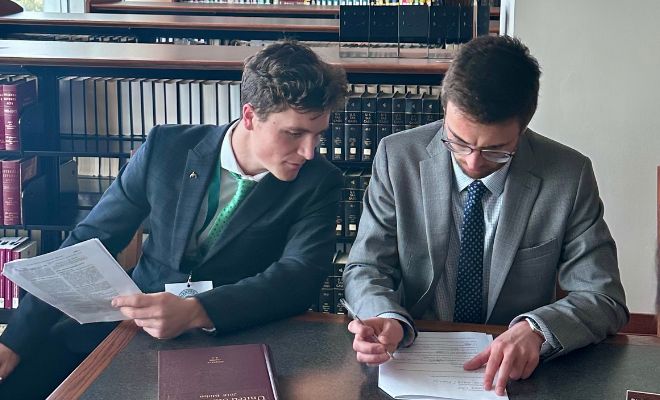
288, 74
493, 79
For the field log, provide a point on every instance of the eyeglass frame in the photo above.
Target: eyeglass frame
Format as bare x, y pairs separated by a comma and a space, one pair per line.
483, 152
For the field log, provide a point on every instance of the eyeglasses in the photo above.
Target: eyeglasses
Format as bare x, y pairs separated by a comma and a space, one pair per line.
497, 156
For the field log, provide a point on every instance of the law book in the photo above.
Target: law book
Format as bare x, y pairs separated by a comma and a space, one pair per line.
196, 102
101, 106
327, 301
235, 110
368, 139
398, 112
337, 121
15, 174
209, 93
430, 108
78, 105
64, 97
27, 249
465, 22
383, 24
365, 178
7, 244
351, 190
451, 22
220, 372
413, 113
184, 101
16, 95
339, 219
89, 90
223, 103
112, 103
352, 217
413, 24
325, 143
383, 116
353, 127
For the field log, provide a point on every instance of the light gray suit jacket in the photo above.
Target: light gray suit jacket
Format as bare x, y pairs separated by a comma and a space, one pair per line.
550, 230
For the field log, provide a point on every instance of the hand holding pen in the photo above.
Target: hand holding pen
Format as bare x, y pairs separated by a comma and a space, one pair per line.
357, 318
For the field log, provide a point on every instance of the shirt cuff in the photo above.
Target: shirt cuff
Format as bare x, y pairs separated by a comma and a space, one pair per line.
408, 329
551, 344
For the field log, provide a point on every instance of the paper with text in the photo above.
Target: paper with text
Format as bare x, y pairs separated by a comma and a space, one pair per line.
79, 280
432, 368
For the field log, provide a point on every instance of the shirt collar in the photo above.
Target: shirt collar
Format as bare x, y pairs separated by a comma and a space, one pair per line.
228, 158
493, 182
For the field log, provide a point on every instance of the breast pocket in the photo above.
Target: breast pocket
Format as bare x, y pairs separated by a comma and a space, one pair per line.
539, 253
532, 278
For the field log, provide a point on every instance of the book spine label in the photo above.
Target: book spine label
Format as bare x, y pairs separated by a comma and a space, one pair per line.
11, 193
3, 279
10, 116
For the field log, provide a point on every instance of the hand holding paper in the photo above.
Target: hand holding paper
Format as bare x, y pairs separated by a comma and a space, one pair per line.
79, 280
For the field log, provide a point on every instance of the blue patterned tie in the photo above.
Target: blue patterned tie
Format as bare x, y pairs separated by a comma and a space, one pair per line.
469, 284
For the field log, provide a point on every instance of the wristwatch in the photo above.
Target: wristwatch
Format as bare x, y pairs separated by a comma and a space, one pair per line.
535, 327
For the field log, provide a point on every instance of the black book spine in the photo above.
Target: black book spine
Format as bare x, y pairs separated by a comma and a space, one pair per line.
352, 218
339, 219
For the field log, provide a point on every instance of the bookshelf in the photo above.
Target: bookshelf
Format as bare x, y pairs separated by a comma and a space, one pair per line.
53, 62
149, 28
248, 10
225, 8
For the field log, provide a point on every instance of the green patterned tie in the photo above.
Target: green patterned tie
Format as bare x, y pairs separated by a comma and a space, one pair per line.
221, 219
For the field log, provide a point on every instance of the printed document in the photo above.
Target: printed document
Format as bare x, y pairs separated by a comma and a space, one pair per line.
79, 280
432, 368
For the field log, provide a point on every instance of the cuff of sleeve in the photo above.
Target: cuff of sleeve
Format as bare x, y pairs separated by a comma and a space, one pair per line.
409, 332
551, 344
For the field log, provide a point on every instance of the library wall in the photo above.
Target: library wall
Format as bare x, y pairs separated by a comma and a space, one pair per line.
599, 94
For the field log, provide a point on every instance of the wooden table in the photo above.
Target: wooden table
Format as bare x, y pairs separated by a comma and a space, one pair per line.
314, 359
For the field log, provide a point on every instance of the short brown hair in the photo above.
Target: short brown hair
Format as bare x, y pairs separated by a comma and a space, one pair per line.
288, 74
493, 79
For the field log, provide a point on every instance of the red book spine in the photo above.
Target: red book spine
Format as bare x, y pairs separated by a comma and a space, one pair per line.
13, 293
11, 192
16, 96
7, 283
3, 279
2, 119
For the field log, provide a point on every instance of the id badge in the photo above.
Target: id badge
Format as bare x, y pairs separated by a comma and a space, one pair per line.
188, 289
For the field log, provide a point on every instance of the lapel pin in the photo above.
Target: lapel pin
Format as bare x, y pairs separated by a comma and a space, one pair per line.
193, 175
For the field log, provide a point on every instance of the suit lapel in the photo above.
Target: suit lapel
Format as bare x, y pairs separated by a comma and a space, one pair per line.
436, 183
268, 192
520, 192
200, 166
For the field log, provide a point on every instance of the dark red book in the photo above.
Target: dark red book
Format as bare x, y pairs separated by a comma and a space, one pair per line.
16, 95
218, 373
15, 174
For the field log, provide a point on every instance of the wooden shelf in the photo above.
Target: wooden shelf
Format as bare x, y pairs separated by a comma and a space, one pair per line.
147, 28
160, 7
186, 57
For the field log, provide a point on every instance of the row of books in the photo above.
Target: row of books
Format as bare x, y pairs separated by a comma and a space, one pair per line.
13, 248
447, 23
16, 93
128, 107
373, 112
332, 290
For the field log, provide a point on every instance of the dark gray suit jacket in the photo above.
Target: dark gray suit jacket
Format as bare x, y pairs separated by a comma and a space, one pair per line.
268, 263
550, 230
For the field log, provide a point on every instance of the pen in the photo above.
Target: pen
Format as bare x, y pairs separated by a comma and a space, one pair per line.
357, 318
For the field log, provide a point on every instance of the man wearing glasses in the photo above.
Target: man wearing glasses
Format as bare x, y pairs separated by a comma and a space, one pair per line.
477, 219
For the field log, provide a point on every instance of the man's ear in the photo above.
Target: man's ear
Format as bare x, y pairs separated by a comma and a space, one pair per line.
248, 116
